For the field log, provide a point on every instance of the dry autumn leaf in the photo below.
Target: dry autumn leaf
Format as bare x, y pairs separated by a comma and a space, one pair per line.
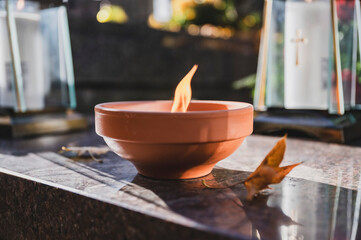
269, 171
84, 152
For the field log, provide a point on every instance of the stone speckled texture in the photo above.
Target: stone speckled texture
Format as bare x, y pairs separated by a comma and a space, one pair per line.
45, 195
32, 210
323, 162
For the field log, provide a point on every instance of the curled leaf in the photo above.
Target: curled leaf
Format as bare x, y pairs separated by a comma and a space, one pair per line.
84, 152
269, 171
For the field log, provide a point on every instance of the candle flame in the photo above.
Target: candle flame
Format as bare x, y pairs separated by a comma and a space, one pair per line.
183, 92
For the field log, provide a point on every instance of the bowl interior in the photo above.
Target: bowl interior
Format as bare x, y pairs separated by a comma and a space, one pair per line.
165, 106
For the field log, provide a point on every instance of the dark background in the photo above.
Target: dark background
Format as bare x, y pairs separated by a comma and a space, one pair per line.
132, 61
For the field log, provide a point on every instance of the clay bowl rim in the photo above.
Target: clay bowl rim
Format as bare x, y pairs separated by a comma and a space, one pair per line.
239, 106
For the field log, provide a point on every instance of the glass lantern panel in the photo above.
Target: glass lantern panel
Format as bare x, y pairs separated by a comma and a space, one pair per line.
357, 83
347, 42
58, 66
275, 66
20, 27
307, 54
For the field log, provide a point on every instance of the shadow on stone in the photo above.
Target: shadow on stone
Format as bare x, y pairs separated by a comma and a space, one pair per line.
218, 209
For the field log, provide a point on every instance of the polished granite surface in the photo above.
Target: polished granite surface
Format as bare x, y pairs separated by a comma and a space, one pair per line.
318, 201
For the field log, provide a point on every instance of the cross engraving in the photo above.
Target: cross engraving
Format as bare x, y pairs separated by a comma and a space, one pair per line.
298, 40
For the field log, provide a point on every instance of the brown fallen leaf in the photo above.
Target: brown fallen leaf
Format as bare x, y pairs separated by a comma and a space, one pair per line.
84, 152
269, 171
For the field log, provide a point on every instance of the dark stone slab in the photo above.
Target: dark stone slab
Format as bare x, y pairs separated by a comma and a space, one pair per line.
295, 209
33, 210
45, 195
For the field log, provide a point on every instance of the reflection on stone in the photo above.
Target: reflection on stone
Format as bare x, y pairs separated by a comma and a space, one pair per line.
295, 209
267, 220
224, 209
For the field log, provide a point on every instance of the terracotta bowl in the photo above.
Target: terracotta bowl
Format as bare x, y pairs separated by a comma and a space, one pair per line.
169, 145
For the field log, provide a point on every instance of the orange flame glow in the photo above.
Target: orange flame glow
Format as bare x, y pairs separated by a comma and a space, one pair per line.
183, 92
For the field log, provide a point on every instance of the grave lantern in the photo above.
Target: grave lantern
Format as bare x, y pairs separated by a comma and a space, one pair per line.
307, 78
37, 92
